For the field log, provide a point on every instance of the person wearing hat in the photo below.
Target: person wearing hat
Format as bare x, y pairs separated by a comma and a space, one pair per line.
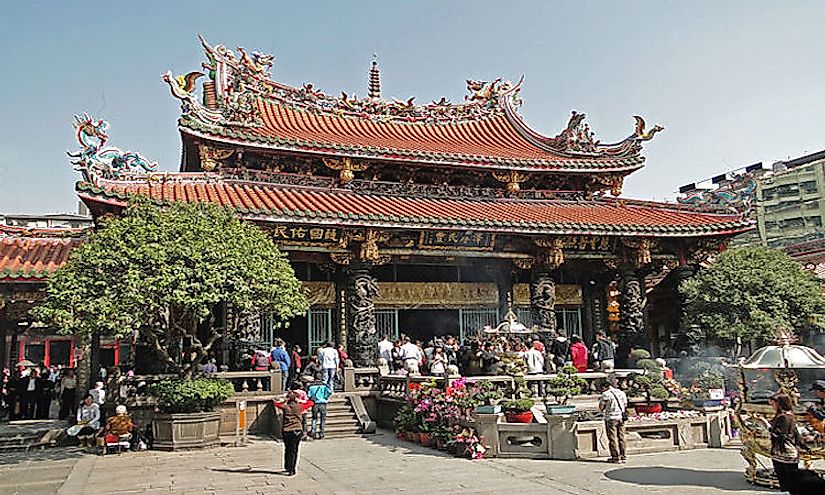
120, 423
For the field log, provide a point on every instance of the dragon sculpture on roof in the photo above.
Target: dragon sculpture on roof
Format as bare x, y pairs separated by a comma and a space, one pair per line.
95, 159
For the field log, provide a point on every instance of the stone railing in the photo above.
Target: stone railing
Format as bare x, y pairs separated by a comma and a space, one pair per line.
250, 383
563, 437
593, 379
361, 379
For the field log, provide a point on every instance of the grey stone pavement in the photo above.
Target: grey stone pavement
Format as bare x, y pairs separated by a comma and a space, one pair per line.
377, 464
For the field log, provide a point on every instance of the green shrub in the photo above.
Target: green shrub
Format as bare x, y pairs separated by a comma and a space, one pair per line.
191, 396
517, 405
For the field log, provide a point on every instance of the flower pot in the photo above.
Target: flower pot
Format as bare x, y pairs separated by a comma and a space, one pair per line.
439, 443
559, 409
410, 436
186, 430
488, 409
649, 408
400, 435
426, 439
518, 416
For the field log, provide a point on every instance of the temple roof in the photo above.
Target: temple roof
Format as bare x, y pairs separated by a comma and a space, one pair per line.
242, 105
271, 202
31, 254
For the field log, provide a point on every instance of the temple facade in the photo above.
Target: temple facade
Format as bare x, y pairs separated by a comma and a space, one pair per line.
425, 219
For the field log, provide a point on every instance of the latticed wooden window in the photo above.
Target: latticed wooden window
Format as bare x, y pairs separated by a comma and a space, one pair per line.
319, 323
386, 323
473, 320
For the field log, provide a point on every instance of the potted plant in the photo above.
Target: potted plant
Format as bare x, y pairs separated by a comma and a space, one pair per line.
651, 387
518, 410
711, 389
186, 418
486, 396
403, 421
564, 385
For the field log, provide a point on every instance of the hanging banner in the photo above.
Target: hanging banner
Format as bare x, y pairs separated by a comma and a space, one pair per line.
320, 293
443, 295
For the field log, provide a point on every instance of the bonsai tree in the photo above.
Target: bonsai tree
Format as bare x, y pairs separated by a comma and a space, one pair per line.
565, 385
485, 393
748, 292
162, 273
650, 386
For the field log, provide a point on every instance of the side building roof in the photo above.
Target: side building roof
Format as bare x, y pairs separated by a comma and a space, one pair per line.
30, 255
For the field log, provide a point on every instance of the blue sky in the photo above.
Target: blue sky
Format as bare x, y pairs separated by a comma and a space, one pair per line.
733, 82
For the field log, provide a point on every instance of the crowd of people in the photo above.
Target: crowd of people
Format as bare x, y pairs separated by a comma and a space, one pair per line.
38, 392
481, 356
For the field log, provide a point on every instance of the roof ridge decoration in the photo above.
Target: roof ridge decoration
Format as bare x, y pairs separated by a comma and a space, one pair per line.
43, 232
235, 82
577, 140
95, 159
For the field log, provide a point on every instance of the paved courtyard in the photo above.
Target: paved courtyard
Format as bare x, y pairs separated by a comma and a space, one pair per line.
378, 464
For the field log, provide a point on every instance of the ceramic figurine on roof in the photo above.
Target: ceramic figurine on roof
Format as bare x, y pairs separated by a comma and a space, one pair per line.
95, 159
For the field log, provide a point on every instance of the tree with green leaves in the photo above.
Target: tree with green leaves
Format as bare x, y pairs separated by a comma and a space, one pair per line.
161, 272
749, 293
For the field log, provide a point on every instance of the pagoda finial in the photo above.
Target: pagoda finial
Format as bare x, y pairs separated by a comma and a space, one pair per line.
375, 79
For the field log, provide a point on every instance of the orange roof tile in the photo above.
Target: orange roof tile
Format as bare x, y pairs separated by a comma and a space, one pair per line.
270, 202
31, 255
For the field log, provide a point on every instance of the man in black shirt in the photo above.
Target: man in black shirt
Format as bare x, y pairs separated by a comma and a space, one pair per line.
489, 360
604, 353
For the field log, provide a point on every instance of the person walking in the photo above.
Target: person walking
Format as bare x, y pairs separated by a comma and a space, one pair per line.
604, 353
281, 357
613, 404
292, 430
578, 353
328, 356
319, 393
785, 440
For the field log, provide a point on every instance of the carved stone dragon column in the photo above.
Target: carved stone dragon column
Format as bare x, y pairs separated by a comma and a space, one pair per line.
632, 330
688, 339
362, 337
549, 257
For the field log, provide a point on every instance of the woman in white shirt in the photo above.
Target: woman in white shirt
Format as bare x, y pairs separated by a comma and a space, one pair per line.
88, 419
438, 363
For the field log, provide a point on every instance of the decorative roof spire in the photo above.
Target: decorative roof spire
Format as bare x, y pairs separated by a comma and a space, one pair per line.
375, 79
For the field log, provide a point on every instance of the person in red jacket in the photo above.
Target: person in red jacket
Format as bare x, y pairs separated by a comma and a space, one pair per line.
578, 353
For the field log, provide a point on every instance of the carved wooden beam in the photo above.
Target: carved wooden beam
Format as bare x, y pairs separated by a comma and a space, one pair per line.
346, 168
512, 179
211, 157
550, 254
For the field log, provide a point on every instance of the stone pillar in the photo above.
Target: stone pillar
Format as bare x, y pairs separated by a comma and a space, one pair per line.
94, 360
632, 332
549, 256
543, 299
362, 338
687, 340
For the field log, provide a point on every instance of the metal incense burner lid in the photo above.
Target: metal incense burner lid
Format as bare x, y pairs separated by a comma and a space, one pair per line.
784, 356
